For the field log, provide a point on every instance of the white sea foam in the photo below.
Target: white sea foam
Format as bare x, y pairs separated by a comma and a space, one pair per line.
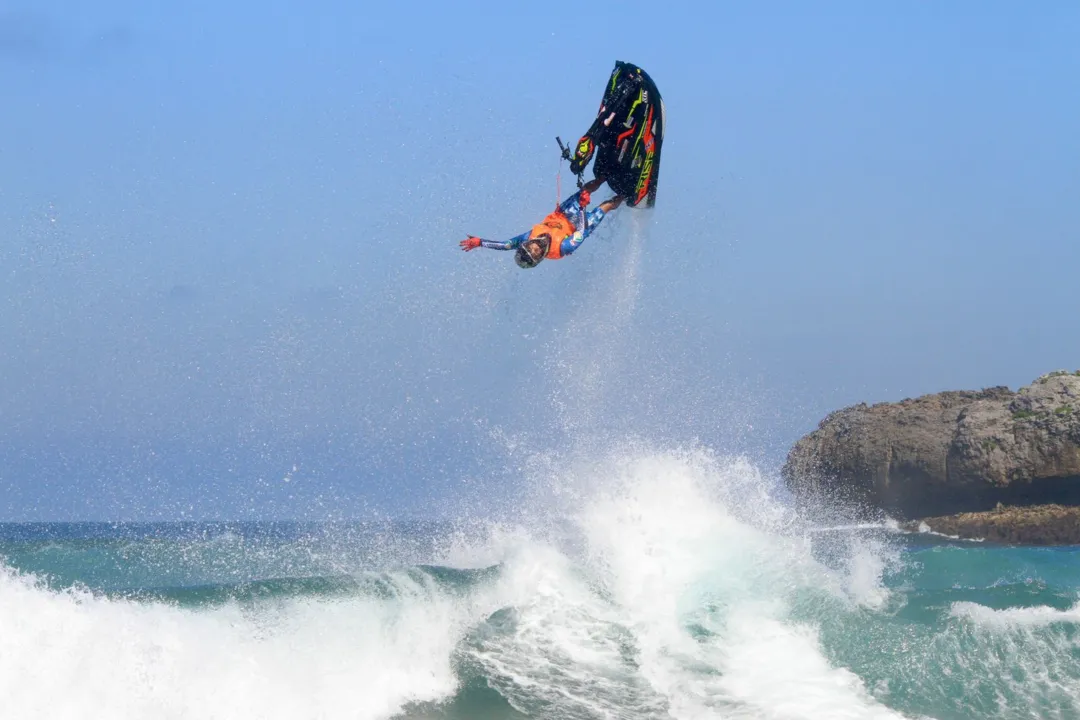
75, 655
1016, 617
676, 548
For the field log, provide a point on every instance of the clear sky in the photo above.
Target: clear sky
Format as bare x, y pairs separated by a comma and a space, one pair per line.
231, 285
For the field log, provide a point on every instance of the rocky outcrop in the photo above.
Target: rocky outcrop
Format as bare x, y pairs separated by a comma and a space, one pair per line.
948, 453
1036, 525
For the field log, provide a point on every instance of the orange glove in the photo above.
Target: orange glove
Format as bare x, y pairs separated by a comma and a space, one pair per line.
470, 243
585, 198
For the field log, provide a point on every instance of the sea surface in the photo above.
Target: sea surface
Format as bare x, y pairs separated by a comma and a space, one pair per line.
672, 584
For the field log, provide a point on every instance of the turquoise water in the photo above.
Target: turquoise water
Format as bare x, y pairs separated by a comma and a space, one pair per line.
968, 631
670, 591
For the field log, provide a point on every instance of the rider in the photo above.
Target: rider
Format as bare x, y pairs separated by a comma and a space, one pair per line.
558, 234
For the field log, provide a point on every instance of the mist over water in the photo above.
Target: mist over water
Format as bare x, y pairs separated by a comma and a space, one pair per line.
588, 360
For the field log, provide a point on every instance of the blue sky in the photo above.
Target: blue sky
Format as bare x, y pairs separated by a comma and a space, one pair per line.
228, 238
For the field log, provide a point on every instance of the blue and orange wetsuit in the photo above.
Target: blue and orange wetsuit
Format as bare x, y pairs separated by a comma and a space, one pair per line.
566, 237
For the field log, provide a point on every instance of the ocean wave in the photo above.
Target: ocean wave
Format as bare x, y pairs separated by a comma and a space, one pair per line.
1015, 617
667, 592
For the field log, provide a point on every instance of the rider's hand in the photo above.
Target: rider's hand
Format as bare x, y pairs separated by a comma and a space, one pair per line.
470, 243
585, 198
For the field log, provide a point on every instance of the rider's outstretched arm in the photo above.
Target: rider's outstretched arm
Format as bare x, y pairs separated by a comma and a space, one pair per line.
512, 244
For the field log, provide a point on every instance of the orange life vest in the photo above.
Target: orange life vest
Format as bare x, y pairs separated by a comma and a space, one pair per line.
559, 227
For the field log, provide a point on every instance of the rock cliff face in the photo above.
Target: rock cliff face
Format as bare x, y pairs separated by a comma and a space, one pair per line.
948, 453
